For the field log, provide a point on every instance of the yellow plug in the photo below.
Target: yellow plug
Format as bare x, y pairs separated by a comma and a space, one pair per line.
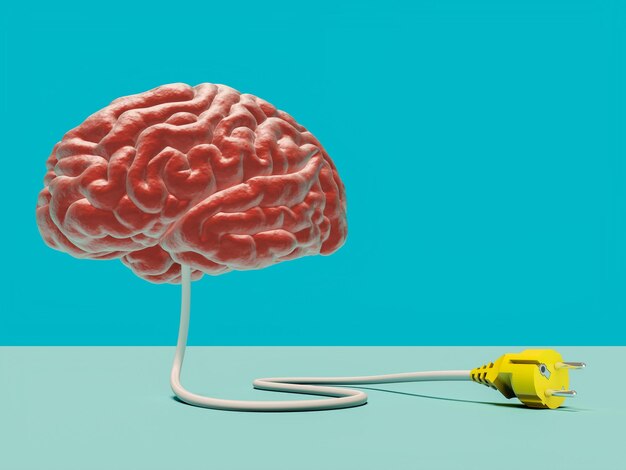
539, 378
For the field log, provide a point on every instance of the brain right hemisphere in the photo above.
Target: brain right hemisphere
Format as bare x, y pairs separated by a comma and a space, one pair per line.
203, 176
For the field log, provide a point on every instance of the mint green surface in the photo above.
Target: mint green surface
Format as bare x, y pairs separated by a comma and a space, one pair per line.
92, 408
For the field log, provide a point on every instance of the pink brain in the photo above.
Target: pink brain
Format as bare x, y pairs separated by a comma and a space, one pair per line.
203, 176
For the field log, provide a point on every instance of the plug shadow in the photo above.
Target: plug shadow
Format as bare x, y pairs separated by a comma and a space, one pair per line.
459, 400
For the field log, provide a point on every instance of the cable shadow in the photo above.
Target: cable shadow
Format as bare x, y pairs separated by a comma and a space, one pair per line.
460, 400
566, 409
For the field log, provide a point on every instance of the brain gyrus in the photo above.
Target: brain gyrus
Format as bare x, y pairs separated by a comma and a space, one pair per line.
203, 176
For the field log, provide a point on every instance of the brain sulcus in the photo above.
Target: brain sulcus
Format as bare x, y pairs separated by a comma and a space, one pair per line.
203, 176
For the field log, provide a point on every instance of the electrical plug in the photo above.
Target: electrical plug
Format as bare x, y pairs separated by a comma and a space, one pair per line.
539, 378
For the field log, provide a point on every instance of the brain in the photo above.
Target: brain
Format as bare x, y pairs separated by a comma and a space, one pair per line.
203, 176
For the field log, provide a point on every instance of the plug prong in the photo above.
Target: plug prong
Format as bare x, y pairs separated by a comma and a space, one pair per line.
570, 365
561, 393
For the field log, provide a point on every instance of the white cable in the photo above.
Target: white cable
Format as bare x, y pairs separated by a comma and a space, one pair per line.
342, 397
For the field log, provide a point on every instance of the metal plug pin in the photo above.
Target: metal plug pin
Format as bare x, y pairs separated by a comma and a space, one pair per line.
570, 365
561, 393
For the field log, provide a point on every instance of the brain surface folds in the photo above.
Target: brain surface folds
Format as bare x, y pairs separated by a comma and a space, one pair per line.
203, 176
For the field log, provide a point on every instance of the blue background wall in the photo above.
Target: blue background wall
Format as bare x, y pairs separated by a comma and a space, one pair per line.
488, 137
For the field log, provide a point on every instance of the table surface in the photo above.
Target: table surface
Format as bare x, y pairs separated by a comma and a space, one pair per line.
111, 408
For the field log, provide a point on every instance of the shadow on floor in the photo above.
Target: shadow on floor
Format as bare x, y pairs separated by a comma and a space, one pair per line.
428, 397
491, 403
